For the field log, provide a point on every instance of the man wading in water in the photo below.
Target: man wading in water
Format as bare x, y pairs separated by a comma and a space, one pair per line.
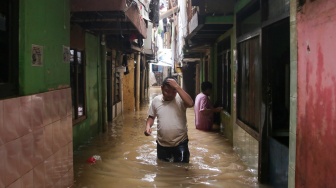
172, 131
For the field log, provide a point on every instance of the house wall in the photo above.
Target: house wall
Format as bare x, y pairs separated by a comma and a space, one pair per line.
36, 140
47, 24
181, 30
36, 127
316, 131
227, 120
91, 126
246, 146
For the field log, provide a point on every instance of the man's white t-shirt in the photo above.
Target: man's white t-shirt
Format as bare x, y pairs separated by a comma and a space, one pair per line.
172, 120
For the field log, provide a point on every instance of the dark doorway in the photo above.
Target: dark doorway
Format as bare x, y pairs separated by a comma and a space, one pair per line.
189, 83
109, 86
276, 56
9, 45
224, 75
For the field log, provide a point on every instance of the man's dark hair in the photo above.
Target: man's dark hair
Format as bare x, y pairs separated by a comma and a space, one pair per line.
206, 85
165, 81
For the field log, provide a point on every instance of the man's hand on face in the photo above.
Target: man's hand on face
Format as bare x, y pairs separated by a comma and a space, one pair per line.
173, 83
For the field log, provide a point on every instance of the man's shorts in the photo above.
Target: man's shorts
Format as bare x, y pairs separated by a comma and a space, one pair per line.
179, 153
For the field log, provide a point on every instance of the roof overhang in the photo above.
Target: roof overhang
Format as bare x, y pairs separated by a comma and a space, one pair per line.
207, 25
204, 31
110, 17
215, 7
187, 60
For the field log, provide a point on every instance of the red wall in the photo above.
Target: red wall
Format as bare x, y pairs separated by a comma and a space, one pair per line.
316, 131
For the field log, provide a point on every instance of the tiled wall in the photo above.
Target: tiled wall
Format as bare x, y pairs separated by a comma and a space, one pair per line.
117, 110
278, 164
36, 140
293, 93
227, 125
246, 146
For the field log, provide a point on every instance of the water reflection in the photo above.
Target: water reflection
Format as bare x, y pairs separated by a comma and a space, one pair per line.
129, 159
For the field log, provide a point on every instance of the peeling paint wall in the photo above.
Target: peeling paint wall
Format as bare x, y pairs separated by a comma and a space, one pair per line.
182, 29
316, 131
128, 87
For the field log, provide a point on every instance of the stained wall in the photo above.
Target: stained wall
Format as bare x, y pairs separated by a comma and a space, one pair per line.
316, 131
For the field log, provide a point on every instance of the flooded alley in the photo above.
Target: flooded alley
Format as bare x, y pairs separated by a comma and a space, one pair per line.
127, 158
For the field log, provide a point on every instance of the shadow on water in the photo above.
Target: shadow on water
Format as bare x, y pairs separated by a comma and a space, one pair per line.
128, 159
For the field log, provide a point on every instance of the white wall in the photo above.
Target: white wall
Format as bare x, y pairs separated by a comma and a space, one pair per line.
182, 28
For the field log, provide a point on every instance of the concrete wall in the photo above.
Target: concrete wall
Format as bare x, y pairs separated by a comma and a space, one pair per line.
293, 95
316, 131
226, 122
181, 31
117, 109
246, 147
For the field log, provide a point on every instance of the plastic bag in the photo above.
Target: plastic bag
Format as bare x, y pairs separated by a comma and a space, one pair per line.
93, 159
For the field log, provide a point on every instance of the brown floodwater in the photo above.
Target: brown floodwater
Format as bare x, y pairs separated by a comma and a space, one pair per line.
128, 159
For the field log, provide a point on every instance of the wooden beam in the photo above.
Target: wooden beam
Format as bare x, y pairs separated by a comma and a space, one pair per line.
78, 20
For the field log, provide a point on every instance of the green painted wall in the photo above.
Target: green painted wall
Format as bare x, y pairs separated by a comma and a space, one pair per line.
230, 135
227, 120
202, 68
44, 23
240, 4
213, 71
83, 131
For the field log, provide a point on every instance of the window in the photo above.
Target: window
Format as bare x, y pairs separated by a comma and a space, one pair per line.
121, 60
117, 91
77, 78
9, 48
224, 75
275, 9
155, 68
249, 82
249, 19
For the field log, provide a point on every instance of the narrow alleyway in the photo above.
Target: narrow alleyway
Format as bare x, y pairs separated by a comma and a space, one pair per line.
128, 159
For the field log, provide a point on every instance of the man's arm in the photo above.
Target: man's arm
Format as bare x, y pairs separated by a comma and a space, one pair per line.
211, 110
149, 124
188, 102
205, 104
